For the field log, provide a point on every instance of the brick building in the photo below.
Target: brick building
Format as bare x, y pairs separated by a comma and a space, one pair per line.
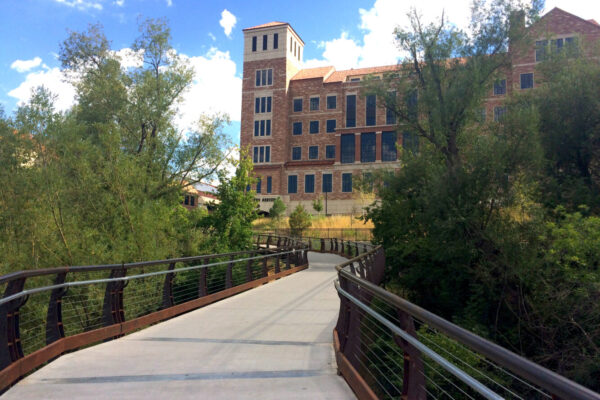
309, 131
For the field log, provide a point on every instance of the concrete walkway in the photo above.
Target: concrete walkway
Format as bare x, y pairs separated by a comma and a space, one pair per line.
272, 342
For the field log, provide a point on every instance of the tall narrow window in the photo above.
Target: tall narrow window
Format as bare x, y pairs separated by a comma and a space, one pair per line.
367, 147
275, 40
257, 105
388, 146
390, 111
351, 111
309, 183
263, 104
291, 44
370, 117
256, 128
269, 184
314, 126
331, 102
330, 151
253, 43
410, 142
500, 87
313, 152
412, 104
331, 125
314, 103
347, 150
327, 183
269, 104
297, 105
265, 42
347, 183
269, 76
296, 153
258, 185
293, 184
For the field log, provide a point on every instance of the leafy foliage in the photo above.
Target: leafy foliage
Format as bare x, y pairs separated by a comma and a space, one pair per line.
299, 220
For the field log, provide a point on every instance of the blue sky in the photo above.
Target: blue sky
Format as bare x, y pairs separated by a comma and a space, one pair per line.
345, 34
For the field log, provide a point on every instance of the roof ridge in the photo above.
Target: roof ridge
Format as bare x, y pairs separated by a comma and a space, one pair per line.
594, 23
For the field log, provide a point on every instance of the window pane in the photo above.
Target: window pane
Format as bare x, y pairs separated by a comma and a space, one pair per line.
540, 50
256, 128
253, 43
297, 105
267, 153
410, 142
313, 152
255, 158
261, 150
265, 42
331, 102
390, 115
258, 78
257, 105
330, 151
314, 103
258, 186
500, 87
347, 150
262, 128
314, 126
269, 104
351, 111
292, 184
309, 183
270, 79
268, 133
388, 146
263, 77
296, 153
297, 128
499, 113
276, 41
527, 80
327, 183
346, 183
370, 114
269, 184
331, 125
263, 104
367, 147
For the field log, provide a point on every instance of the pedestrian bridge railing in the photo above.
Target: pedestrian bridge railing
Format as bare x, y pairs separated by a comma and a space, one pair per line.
45, 313
387, 347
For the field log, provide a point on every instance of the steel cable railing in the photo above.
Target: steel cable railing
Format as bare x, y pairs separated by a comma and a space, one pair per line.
47, 312
387, 347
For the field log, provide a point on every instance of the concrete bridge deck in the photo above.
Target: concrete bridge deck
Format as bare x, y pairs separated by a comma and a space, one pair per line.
272, 342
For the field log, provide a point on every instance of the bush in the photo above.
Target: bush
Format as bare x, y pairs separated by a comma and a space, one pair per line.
300, 219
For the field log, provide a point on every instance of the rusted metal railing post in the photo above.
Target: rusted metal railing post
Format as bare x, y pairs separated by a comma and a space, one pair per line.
265, 268
113, 312
167, 297
249, 267
54, 325
277, 267
229, 273
10, 338
203, 282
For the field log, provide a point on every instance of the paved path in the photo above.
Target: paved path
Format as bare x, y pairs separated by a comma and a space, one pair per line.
272, 342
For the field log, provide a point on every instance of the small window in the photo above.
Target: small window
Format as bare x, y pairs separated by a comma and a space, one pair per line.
331, 125
388, 146
258, 186
327, 183
253, 43
331, 102
541, 47
500, 87
354, 79
314, 103
314, 126
192, 201
313, 152
347, 183
186, 201
265, 38
370, 117
276, 41
297, 128
351, 111
269, 184
296, 153
499, 113
256, 128
367, 147
297, 105
309, 183
330, 151
527, 80
293, 184
347, 150
390, 110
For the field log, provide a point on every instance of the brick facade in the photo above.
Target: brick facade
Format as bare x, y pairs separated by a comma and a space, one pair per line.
290, 82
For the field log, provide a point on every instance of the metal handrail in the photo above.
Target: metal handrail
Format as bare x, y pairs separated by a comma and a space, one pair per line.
552, 382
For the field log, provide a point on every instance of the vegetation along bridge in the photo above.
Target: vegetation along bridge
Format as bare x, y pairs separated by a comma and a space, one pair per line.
274, 341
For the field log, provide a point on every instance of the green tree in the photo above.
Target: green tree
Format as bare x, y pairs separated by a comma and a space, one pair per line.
317, 204
299, 220
277, 210
230, 224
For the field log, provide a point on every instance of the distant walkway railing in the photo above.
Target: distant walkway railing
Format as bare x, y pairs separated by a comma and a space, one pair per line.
356, 234
45, 313
389, 348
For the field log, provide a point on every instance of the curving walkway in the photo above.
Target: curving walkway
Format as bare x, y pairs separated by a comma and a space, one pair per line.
272, 342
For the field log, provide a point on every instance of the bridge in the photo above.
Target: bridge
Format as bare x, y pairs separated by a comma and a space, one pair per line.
291, 318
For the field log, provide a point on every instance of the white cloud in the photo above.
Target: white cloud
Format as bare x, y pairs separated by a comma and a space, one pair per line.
26, 65
82, 4
53, 80
215, 88
228, 21
129, 58
377, 24
169, 3
213, 37
119, 3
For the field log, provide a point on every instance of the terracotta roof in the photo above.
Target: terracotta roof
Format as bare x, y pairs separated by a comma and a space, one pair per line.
342, 76
267, 25
593, 21
311, 73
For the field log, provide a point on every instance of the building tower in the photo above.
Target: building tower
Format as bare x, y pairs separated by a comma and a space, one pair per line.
272, 56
